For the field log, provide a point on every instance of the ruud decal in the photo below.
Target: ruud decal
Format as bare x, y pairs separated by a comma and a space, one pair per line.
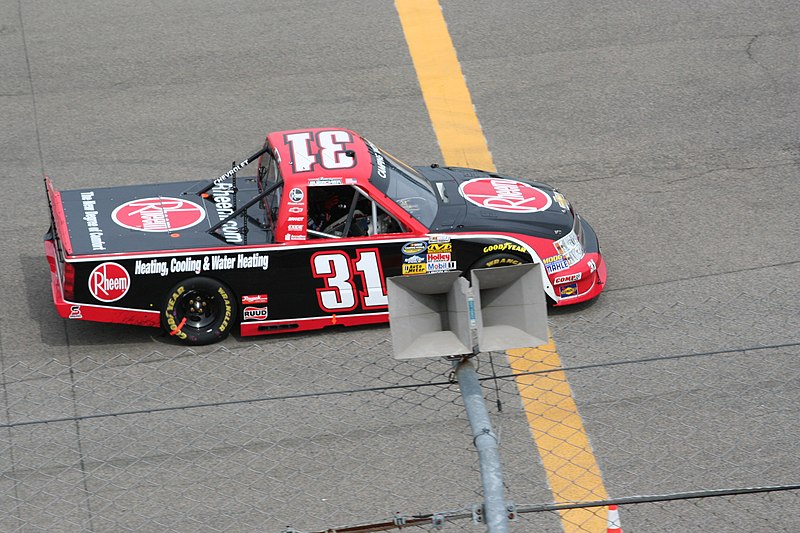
255, 313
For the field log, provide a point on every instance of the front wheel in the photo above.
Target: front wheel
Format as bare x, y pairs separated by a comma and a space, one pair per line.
199, 311
497, 260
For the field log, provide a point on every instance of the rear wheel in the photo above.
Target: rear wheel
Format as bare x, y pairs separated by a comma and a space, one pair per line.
199, 311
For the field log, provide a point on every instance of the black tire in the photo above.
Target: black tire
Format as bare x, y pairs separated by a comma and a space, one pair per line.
498, 259
502, 259
199, 311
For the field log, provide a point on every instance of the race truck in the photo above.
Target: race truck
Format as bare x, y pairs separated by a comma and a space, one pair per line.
307, 242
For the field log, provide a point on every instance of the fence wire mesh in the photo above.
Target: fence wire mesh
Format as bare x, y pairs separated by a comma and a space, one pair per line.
323, 431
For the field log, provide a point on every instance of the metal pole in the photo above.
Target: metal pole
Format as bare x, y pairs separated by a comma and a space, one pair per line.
495, 511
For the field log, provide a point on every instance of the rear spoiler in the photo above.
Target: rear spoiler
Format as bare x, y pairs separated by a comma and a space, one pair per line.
58, 222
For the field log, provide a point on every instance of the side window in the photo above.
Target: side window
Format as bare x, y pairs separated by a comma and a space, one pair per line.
345, 211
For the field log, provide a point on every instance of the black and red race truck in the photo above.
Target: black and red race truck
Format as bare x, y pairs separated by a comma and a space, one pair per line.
305, 243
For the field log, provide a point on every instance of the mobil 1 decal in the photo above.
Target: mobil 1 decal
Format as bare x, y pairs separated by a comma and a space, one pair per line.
506, 195
158, 214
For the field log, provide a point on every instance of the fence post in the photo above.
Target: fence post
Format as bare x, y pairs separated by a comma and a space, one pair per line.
495, 512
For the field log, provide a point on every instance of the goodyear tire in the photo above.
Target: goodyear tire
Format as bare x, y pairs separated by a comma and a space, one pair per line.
497, 260
199, 311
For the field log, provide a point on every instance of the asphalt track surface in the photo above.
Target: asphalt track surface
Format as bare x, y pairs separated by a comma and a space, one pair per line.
672, 126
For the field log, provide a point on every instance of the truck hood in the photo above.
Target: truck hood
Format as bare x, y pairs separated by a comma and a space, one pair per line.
474, 200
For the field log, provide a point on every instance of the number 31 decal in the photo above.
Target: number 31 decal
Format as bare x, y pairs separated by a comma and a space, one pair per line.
339, 270
330, 152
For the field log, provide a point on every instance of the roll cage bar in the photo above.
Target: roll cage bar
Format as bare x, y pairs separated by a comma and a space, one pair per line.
235, 168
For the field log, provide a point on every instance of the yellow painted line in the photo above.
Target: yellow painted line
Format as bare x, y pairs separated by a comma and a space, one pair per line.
552, 413
443, 87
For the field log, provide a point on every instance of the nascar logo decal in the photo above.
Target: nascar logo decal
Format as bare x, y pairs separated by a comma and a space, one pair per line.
158, 214
109, 282
505, 195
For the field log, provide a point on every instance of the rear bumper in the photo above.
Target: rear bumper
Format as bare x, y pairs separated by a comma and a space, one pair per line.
91, 312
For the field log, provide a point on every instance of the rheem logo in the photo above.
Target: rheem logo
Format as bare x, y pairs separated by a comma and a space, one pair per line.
109, 282
158, 214
506, 195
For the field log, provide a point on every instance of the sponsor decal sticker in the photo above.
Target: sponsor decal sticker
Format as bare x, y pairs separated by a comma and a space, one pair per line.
413, 259
441, 266
438, 238
432, 258
567, 279
158, 214
255, 313
321, 182
570, 248
592, 266
418, 268
568, 291
413, 248
296, 195
506, 195
75, 312
555, 263
440, 247
109, 282
250, 299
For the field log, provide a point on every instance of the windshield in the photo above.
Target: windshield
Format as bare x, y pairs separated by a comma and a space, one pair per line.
407, 187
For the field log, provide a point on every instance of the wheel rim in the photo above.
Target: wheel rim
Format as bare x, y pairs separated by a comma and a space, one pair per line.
199, 308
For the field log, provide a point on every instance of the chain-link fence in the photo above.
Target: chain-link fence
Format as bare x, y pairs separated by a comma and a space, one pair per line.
327, 430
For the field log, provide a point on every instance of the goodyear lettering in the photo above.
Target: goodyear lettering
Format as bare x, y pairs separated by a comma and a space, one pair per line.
173, 326
504, 247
